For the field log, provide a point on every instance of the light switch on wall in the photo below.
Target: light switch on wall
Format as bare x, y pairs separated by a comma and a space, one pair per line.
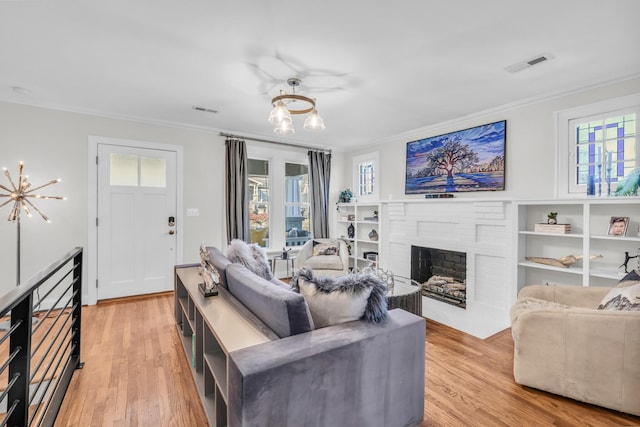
192, 212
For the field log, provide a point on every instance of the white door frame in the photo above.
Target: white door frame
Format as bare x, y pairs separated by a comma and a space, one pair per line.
90, 291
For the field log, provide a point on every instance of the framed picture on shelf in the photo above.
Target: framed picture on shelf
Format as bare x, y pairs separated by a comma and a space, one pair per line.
372, 258
618, 226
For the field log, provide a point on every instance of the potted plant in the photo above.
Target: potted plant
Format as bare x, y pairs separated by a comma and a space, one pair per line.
375, 214
552, 218
345, 197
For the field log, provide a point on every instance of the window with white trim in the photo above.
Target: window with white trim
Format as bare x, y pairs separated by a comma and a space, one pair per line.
365, 179
278, 197
606, 152
259, 201
599, 147
296, 204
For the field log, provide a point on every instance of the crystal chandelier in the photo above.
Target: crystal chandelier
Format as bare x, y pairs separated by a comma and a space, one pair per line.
283, 108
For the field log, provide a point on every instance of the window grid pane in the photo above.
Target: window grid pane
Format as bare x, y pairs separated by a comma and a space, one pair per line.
259, 201
153, 172
123, 169
297, 224
605, 149
366, 178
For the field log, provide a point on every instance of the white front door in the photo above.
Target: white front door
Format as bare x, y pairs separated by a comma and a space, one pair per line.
136, 220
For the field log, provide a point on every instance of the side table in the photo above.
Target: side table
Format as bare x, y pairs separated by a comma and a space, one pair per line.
405, 294
289, 261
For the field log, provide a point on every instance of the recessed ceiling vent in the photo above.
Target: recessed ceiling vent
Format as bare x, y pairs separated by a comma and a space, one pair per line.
528, 63
205, 110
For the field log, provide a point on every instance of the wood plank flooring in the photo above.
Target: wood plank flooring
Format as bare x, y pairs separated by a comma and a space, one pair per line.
136, 374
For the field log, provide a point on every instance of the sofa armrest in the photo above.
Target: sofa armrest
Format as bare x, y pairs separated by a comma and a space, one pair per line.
355, 374
585, 354
576, 296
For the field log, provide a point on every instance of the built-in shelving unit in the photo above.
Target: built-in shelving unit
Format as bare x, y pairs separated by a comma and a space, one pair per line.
589, 219
363, 225
210, 329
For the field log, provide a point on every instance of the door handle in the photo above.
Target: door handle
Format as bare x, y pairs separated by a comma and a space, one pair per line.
172, 232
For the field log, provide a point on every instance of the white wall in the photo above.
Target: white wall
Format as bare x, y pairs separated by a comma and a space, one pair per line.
54, 144
530, 152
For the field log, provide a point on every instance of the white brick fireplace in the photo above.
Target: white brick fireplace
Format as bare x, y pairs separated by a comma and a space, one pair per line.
481, 229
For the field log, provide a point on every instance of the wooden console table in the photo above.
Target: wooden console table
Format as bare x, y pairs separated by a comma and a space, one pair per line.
211, 328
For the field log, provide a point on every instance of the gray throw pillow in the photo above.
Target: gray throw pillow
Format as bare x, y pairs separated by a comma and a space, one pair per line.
252, 256
329, 248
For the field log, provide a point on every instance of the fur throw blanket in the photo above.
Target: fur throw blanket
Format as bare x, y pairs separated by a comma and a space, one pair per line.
350, 284
252, 256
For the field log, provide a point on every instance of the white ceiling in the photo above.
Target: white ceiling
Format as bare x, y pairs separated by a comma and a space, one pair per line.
377, 68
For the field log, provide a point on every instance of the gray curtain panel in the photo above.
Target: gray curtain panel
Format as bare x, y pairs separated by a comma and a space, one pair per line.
319, 177
236, 187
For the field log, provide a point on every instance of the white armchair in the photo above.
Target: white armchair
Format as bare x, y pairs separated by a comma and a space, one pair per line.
323, 261
564, 345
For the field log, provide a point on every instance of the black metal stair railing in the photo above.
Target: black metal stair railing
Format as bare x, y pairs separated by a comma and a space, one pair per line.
40, 345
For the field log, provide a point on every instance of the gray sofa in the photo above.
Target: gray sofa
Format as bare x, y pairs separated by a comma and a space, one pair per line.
352, 374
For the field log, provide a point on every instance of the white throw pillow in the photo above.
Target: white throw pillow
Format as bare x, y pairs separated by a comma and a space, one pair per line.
623, 297
334, 307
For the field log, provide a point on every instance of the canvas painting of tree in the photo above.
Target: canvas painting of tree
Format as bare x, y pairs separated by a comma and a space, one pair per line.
466, 160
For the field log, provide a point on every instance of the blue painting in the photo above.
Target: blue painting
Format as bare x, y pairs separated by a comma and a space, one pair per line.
466, 160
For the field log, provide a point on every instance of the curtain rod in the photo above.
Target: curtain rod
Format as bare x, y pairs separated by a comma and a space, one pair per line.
228, 135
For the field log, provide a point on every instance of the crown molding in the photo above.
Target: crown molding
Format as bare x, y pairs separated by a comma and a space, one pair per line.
434, 129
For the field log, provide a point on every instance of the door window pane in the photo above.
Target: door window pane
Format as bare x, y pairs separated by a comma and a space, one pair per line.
259, 201
123, 169
153, 172
296, 204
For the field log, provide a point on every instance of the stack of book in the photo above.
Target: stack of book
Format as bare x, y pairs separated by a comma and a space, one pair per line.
552, 228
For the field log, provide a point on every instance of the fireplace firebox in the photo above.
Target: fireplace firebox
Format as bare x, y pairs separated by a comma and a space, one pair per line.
442, 274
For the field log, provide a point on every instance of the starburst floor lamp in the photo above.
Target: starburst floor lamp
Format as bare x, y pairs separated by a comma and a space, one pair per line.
20, 196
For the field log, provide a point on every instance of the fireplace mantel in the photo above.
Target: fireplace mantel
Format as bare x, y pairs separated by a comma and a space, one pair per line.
480, 228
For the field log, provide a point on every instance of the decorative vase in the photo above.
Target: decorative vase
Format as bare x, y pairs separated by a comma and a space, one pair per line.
373, 235
351, 231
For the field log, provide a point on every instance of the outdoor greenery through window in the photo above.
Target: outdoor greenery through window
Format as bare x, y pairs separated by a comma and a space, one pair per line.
606, 151
259, 201
297, 224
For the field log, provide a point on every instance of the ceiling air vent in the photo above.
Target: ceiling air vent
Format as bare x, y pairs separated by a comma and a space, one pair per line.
528, 63
205, 110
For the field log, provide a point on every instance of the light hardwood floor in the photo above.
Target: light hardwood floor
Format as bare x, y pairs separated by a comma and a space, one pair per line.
136, 374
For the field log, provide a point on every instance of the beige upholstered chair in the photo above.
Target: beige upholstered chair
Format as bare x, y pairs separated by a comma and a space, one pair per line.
564, 345
324, 265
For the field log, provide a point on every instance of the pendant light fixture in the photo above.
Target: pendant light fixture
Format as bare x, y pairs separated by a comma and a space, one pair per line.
284, 106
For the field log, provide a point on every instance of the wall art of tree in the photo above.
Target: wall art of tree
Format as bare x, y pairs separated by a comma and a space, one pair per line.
469, 160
